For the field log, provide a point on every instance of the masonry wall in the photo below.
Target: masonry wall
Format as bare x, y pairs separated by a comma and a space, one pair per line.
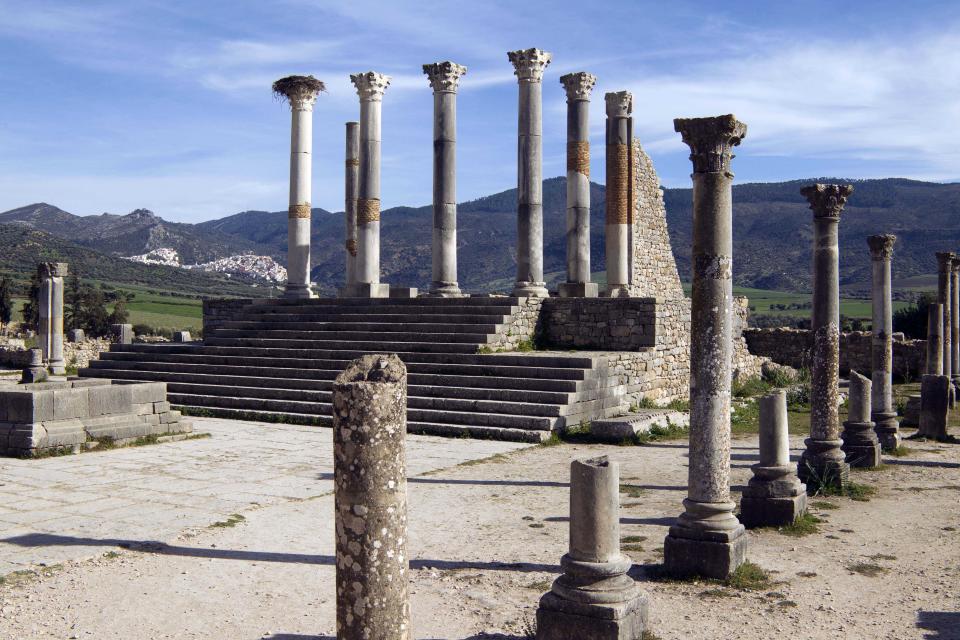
216, 311
616, 324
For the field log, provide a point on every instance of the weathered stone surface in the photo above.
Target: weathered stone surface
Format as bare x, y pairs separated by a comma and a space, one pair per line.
369, 402
860, 443
182, 336
881, 352
35, 371
76, 335
50, 334
934, 406
934, 339
641, 421
122, 333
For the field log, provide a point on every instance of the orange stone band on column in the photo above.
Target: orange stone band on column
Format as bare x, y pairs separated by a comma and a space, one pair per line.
368, 210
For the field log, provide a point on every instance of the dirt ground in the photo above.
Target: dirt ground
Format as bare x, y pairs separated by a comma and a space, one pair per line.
485, 541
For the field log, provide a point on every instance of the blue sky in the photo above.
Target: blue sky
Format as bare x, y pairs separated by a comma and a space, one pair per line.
111, 106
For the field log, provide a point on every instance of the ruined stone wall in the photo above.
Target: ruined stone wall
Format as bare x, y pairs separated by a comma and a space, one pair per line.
654, 272
744, 364
792, 347
605, 324
523, 325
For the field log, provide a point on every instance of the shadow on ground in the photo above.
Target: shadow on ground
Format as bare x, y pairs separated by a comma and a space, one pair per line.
943, 625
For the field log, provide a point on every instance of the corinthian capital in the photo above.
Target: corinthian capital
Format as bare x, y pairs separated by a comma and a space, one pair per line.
53, 270
578, 85
370, 85
827, 200
619, 104
945, 260
444, 76
711, 141
528, 64
881, 246
300, 91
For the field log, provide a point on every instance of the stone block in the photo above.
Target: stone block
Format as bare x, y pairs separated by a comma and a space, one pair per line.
147, 392
109, 400
89, 382
151, 418
122, 333
161, 407
76, 335
934, 406
685, 557
756, 511
69, 403
403, 292
559, 619
26, 407
182, 336
579, 290
623, 427
169, 416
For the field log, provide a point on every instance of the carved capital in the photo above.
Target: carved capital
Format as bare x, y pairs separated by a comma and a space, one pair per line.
956, 264
619, 104
711, 141
444, 76
945, 261
52, 269
529, 64
881, 246
299, 91
827, 200
370, 85
578, 85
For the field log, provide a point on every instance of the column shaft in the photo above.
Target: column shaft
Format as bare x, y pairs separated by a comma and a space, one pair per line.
945, 298
883, 413
935, 340
351, 193
618, 206
51, 316
955, 318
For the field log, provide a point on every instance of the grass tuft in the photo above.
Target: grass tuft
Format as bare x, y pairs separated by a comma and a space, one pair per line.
805, 525
231, 521
868, 569
749, 577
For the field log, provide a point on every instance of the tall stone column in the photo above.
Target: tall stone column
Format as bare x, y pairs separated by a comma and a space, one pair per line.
301, 93
822, 463
955, 320
944, 280
707, 539
51, 316
370, 87
444, 78
935, 340
351, 193
370, 499
618, 205
882, 411
578, 87
529, 65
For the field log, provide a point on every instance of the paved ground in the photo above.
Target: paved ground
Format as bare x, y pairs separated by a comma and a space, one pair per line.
154, 493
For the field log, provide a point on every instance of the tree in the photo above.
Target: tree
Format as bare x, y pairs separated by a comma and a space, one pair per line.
120, 315
6, 302
96, 318
912, 319
73, 304
31, 309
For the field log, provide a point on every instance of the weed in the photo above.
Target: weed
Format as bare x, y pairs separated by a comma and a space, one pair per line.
786, 603
643, 403
882, 556
867, 569
679, 405
552, 441
805, 525
807, 574
824, 505
879, 467
745, 418
749, 577
859, 492
633, 539
536, 525
525, 345
649, 635
484, 349
110, 555
750, 387
780, 377
231, 521
540, 585
656, 432
632, 490
716, 593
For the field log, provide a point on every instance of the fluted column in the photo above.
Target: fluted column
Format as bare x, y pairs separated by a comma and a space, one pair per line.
444, 78
944, 297
529, 65
351, 191
370, 87
707, 539
301, 93
578, 87
618, 205
823, 462
51, 316
882, 411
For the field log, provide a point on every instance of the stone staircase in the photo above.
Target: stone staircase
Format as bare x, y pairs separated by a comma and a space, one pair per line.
277, 359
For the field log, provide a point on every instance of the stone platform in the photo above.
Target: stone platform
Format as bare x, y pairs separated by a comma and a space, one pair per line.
48, 416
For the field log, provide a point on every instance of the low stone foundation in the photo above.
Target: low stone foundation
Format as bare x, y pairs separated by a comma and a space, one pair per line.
616, 324
55, 415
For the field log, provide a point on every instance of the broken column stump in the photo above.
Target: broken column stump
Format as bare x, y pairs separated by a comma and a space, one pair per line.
594, 599
934, 407
369, 433
860, 442
774, 497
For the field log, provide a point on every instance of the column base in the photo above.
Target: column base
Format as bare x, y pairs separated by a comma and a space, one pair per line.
860, 444
616, 291
887, 430
771, 512
911, 413
823, 465
445, 290
57, 367
298, 291
403, 292
578, 290
530, 290
560, 619
706, 541
366, 290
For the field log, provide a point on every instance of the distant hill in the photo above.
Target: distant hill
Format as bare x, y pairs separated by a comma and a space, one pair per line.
772, 233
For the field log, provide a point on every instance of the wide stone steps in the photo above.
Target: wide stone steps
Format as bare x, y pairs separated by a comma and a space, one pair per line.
308, 335
434, 318
309, 327
371, 346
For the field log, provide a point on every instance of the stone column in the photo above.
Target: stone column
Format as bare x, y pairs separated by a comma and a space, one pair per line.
823, 462
529, 65
934, 340
51, 316
860, 443
883, 413
370, 87
301, 93
934, 406
618, 205
444, 78
351, 193
775, 497
594, 599
944, 277
370, 483
578, 87
707, 539
955, 320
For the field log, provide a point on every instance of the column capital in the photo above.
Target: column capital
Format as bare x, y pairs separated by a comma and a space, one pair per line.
370, 85
578, 85
299, 91
956, 264
827, 200
711, 141
52, 269
945, 260
529, 64
444, 76
881, 246
619, 104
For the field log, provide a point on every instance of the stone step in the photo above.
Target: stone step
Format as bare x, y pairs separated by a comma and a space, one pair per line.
326, 369
377, 303
264, 313
307, 336
553, 360
421, 428
348, 316
307, 328
468, 418
362, 345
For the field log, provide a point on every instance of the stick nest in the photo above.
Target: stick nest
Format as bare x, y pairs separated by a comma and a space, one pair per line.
292, 85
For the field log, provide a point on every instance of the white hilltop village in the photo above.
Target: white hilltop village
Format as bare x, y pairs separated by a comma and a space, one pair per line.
262, 268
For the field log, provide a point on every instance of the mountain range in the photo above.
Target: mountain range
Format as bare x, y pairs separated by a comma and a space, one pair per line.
772, 234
